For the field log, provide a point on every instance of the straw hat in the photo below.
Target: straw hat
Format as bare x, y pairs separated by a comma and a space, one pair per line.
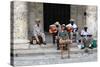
63, 25
72, 20
37, 20
57, 23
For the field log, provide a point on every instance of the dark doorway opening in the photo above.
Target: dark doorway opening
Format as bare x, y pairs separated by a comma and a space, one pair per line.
55, 12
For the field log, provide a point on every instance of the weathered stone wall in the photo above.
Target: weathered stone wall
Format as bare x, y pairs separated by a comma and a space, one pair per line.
20, 30
25, 13
91, 20
20, 20
77, 13
85, 16
35, 11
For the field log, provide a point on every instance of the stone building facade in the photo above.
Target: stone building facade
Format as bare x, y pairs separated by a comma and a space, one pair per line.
77, 13
35, 10
20, 20
85, 16
24, 14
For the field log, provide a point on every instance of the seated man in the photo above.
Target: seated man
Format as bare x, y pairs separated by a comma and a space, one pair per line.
72, 29
84, 32
38, 32
69, 29
72, 25
86, 37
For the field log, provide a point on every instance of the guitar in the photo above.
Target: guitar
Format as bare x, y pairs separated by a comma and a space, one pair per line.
52, 29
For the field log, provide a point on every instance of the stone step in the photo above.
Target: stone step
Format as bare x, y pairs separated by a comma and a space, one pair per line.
50, 45
54, 59
44, 49
46, 56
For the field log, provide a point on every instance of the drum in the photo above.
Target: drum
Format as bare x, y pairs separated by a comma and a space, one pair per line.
63, 42
64, 45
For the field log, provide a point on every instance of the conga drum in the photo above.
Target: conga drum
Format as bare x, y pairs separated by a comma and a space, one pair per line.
64, 43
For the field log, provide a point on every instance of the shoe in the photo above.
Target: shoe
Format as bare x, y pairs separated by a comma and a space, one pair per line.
58, 48
44, 43
91, 47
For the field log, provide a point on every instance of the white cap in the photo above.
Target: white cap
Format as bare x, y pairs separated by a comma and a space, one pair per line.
72, 20
37, 19
57, 23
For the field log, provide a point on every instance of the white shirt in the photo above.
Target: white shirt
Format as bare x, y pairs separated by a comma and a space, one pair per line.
73, 26
84, 32
36, 29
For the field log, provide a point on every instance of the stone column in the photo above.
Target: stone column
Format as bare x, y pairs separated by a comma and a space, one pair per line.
91, 20
20, 33
35, 12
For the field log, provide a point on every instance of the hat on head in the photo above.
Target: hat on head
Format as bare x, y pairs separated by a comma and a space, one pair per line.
85, 27
63, 25
72, 20
37, 20
57, 23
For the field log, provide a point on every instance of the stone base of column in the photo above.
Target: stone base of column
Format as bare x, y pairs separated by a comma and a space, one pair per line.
21, 44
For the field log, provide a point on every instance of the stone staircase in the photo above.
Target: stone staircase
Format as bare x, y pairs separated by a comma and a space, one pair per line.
48, 54
49, 49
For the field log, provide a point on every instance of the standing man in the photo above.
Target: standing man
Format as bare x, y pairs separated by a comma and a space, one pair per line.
54, 29
38, 32
57, 37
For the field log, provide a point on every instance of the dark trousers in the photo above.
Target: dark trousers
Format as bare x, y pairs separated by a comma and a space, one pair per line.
54, 37
55, 40
58, 44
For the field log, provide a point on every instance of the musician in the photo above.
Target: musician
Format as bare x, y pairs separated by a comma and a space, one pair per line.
54, 29
84, 31
69, 29
72, 28
86, 37
38, 32
64, 40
